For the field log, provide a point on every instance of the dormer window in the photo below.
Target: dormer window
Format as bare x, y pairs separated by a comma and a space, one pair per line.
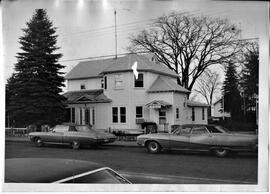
138, 83
82, 86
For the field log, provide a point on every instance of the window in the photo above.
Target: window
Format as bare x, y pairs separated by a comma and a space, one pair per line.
119, 117
93, 116
68, 115
138, 83
193, 114
104, 82
115, 114
82, 86
87, 116
185, 101
177, 113
73, 115
123, 114
199, 130
119, 81
80, 116
139, 112
202, 113
213, 129
162, 116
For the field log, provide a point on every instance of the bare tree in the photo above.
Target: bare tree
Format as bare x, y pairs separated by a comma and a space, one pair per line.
187, 44
207, 85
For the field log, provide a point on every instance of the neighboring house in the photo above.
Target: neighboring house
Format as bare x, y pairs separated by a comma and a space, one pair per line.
106, 94
217, 110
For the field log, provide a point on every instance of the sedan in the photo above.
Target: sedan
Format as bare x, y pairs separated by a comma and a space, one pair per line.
216, 139
51, 170
74, 135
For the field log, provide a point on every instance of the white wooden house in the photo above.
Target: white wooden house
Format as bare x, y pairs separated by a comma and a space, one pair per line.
106, 94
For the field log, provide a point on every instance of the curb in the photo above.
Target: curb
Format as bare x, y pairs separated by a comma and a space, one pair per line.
110, 144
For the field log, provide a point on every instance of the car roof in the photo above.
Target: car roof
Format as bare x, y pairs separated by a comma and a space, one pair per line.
44, 170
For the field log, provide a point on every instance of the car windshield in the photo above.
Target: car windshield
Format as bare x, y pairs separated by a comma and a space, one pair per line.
181, 131
106, 176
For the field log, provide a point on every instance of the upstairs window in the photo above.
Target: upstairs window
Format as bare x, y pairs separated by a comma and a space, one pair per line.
119, 81
139, 112
82, 86
104, 82
177, 113
138, 83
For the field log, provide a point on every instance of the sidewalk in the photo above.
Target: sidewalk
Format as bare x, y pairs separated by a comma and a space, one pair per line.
116, 143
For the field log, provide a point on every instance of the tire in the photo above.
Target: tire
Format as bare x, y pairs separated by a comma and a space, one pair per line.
153, 147
221, 152
75, 145
38, 142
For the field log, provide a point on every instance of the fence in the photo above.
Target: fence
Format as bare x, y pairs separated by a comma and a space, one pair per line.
16, 131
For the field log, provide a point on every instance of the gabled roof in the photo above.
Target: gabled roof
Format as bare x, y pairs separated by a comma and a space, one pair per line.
196, 104
97, 68
163, 84
89, 96
158, 102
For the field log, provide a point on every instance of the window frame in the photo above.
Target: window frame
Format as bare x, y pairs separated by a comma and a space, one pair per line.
193, 113
177, 113
138, 81
136, 115
83, 87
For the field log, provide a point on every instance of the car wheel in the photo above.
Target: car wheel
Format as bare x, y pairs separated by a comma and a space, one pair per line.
75, 145
38, 142
153, 147
221, 152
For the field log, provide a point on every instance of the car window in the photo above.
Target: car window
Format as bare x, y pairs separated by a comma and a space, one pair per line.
104, 176
72, 128
182, 131
213, 129
199, 130
61, 128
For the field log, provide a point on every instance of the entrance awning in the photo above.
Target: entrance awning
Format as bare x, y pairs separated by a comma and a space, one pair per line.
157, 104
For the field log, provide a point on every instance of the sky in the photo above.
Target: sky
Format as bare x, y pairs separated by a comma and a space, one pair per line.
86, 27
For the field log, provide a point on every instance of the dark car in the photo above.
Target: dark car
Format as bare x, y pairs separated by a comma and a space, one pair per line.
51, 170
74, 135
213, 138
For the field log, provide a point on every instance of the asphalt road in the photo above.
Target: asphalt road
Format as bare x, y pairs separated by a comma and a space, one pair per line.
141, 167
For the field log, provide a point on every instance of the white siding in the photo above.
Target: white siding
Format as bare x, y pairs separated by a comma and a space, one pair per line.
90, 84
216, 111
198, 116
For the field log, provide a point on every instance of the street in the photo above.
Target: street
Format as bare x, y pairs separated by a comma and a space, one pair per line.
141, 167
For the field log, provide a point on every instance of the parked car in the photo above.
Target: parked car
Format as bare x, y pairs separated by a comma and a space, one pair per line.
51, 170
74, 135
216, 139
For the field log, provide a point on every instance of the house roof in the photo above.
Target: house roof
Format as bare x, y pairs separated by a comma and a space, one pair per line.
163, 84
196, 104
86, 96
88, 69
96, 68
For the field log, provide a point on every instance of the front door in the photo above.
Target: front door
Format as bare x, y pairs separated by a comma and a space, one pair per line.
162, 120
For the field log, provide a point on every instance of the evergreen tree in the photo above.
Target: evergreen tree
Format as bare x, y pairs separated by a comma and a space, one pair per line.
34, 95
232, 98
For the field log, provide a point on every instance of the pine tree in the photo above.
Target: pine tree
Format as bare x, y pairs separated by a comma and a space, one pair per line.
37, 81
232, 98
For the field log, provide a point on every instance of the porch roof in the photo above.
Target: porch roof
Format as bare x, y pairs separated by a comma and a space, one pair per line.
86, 96
158, 103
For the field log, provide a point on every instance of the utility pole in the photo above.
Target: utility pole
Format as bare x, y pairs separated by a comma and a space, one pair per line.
115, 34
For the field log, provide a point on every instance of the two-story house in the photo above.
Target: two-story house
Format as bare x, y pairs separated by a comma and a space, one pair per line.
106, 94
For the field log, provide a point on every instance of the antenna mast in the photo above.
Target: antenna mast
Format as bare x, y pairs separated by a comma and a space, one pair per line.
115, 34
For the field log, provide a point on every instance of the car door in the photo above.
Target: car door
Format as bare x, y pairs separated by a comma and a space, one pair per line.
180, 138
56, 135
200, 138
